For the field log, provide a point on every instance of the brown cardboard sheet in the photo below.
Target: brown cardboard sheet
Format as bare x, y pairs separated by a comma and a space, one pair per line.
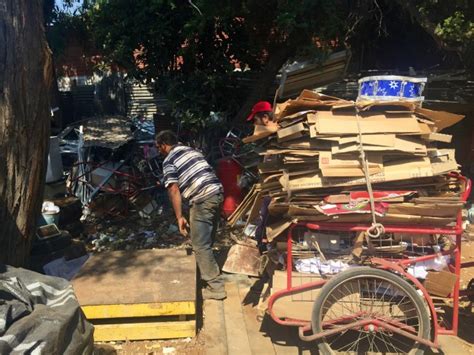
307, 100
275, 229
291, 130
440, 283
399, 170
298, 305
404, 144
426, 209
382, 140
348, 165
302, 152
304, 143
395, 219
438, 137
441, 119
294, 210
260, 132
370, 105
332, 124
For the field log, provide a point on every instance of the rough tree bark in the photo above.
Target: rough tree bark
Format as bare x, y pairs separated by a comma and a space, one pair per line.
25, 78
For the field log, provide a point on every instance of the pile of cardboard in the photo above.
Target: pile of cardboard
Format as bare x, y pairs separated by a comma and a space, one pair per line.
312, 171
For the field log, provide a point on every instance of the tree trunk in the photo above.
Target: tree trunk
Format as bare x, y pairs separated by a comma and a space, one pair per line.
25, 78
259, 91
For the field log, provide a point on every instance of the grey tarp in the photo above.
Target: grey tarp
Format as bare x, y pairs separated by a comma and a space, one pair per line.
40, 315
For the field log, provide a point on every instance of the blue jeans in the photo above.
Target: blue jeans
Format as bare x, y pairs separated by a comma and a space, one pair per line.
203, 221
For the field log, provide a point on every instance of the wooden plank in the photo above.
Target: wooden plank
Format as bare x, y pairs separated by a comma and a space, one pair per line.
214, 331
144, 331
139, 310
259, 344
237, 338
135, 277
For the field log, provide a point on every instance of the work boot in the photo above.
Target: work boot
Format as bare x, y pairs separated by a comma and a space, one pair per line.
209, 294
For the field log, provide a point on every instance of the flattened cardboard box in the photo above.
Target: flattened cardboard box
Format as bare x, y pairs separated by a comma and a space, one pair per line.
330, 123
298, 305
434, 210
348, 165
440, 283
438, 137
406, 169
308, 100
291, 132
441, 119
401, 144
395, 219
260, 132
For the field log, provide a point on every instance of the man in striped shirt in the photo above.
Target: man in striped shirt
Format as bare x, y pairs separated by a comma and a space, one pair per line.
188, 175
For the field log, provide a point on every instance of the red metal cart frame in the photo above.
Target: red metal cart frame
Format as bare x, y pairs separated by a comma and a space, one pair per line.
398, 266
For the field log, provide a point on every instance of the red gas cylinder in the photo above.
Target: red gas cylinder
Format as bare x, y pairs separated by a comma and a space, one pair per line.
228, 172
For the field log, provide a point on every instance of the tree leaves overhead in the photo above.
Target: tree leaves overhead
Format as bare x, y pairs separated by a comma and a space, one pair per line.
194, 45
183, 36
190, 48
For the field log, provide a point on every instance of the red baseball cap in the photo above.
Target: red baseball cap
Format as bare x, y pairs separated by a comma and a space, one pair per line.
261, 106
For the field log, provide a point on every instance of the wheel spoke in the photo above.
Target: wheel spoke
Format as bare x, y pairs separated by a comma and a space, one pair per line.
397, 349
371, 297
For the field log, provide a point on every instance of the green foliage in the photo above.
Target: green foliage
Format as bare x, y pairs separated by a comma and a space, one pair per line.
456, 29
65, 21
453, 23
188, 48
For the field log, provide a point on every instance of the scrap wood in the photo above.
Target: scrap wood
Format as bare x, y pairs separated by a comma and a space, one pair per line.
239, 212
255, 209
243, 207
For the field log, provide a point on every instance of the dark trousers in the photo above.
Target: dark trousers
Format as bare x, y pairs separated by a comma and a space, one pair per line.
203, 221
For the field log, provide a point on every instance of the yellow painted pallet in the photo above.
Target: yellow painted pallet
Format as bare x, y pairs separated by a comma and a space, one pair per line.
139, 310
144, 330
139, 295
142, 321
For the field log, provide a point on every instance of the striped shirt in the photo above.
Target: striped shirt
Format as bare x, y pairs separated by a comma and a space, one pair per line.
195, 177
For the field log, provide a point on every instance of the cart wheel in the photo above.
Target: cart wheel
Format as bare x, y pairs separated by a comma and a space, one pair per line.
365, 293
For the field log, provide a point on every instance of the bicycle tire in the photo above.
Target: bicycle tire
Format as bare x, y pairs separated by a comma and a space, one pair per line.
358, 273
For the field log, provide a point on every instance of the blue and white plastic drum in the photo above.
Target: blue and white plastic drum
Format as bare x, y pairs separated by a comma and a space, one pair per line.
391, 88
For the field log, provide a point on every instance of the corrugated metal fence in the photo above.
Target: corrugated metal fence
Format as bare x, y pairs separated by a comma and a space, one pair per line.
142, 100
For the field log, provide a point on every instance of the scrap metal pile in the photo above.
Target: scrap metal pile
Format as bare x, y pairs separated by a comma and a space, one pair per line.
116, 165
312, 168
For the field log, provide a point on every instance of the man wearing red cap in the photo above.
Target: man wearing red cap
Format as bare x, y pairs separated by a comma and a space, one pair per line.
262, 114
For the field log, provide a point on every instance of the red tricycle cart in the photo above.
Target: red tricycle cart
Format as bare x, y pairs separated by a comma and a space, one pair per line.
378, 306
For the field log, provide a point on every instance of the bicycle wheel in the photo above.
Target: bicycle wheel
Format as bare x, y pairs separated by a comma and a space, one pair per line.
365, 293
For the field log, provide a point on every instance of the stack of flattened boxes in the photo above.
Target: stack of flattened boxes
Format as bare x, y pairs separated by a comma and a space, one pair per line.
312, 169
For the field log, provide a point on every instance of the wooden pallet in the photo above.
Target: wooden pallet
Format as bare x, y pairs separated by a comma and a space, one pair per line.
139, 295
